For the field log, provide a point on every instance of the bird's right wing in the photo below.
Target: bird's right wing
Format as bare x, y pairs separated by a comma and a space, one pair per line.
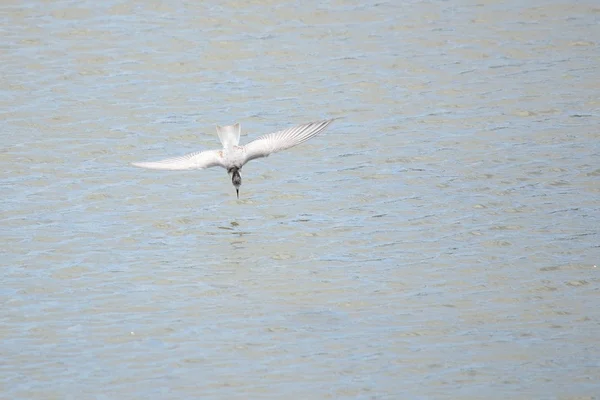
197, 160
281, 140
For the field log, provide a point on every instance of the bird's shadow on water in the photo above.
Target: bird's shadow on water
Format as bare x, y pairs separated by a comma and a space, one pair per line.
233, 228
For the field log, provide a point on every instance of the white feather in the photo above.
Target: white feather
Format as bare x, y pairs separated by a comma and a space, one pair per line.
281, 140
197, 160
229, 135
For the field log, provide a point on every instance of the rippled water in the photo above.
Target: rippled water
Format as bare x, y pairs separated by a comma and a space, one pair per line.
439, 241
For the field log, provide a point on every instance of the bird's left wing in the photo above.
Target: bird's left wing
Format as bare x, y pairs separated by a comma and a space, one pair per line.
197, 160
281, 140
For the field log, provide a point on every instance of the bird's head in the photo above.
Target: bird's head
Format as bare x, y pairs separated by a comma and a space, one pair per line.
236, 179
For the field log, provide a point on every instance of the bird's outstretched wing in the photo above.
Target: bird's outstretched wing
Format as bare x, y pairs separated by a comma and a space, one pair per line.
197, 160
281, 140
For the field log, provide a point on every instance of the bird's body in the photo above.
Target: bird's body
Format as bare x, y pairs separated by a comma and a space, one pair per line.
232, 156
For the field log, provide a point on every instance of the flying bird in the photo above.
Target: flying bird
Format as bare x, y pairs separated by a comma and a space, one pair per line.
233, 157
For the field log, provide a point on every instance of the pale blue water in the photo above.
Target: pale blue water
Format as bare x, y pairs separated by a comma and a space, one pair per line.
439, 241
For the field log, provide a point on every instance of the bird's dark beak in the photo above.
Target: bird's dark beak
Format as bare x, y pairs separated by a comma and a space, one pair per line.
238, 192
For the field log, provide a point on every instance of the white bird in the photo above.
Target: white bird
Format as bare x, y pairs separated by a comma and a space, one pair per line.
233, 156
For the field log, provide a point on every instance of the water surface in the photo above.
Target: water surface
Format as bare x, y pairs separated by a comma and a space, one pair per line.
439, 241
